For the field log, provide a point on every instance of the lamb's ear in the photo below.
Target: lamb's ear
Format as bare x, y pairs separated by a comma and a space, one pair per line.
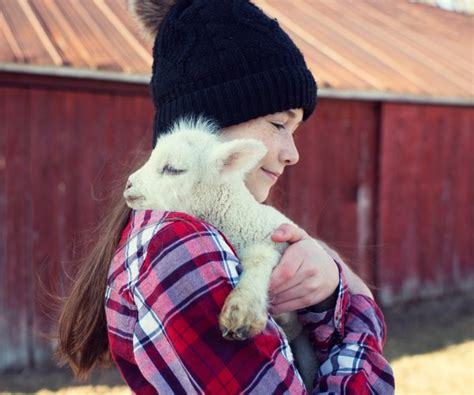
237, 156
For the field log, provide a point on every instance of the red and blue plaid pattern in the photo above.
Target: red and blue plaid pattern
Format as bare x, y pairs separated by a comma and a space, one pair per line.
167, 284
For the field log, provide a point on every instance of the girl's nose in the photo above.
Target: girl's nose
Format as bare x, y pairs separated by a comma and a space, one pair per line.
289, 153
129, 185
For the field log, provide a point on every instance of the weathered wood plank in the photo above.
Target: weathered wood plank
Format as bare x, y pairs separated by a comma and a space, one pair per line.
426, 213
15, 211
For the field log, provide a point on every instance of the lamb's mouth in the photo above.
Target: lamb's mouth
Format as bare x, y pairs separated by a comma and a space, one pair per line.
133, 199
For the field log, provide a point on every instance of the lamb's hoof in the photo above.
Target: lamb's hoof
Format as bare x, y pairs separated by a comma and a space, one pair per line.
239, 334
241, 319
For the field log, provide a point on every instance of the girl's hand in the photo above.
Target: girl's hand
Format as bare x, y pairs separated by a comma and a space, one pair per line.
306, 274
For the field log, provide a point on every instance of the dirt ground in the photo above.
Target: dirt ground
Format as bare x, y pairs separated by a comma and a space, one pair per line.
430, 347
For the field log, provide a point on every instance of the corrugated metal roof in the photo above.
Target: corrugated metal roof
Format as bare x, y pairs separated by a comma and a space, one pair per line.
367, 45
97, 34
466, 6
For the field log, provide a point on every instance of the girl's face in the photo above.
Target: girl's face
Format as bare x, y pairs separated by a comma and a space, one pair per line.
276, 132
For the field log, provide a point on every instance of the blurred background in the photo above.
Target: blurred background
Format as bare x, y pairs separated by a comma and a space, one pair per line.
386, 174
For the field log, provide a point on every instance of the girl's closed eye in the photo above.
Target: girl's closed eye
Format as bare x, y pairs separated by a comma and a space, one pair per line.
279, 126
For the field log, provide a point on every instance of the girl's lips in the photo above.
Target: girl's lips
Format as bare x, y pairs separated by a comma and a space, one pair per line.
273, 176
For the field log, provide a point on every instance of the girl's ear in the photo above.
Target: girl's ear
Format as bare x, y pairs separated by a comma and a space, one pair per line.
237, 156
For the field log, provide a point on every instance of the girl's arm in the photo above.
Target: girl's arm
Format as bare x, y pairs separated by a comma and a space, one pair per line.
346, 326
349, 340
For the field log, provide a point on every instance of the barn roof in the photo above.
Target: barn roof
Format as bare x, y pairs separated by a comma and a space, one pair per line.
368, 46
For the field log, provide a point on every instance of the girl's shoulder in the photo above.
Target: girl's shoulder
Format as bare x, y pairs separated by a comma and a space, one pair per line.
154, 232
150, 224
151, 236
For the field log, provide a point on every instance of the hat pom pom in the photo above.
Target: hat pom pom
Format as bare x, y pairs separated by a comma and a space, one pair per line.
150, 14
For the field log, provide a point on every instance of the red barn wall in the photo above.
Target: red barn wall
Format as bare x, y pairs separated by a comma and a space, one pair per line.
426, 223
62, 144
332, 191
389, 186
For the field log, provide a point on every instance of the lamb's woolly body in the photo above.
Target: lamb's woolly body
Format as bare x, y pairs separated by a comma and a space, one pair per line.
229, 207
211, 186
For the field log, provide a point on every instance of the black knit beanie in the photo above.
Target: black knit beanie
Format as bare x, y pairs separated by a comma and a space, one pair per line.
224, 59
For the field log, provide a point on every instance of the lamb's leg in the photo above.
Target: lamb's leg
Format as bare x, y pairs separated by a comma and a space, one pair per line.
305, 359
245, 310
290, 324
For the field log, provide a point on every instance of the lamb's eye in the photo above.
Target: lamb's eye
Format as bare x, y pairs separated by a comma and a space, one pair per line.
168, 169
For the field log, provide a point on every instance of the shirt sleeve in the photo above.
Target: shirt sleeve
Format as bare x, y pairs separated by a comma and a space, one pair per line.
349, 340
181, 288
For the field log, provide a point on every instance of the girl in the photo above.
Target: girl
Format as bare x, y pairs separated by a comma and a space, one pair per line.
150, 293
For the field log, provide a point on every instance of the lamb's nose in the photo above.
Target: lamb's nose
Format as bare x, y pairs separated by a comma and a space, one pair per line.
129, 185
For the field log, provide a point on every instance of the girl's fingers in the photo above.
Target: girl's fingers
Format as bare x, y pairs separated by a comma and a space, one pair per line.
295, 292
288, 233
286, 275
283, 303
285, 286
290, 305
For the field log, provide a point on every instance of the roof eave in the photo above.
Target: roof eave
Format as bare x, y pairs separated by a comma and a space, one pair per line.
330, 93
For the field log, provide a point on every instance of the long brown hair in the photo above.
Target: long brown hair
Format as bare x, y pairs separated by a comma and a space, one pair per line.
82, 328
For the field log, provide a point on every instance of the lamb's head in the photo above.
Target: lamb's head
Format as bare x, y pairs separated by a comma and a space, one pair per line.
189, 160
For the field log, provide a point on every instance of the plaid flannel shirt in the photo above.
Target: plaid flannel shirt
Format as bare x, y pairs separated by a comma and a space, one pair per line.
166, 286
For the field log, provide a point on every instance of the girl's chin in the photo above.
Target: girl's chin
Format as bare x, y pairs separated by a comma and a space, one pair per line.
260, 189
261, 194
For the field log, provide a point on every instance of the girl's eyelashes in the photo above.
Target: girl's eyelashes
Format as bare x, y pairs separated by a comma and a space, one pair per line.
168, 169
278, 125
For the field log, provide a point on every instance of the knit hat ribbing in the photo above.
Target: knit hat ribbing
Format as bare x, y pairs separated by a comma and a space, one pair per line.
227, 60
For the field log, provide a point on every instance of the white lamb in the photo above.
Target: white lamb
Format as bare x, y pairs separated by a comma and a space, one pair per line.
193, 170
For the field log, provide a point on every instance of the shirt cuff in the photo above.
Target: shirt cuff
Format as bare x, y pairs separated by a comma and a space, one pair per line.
325, 327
